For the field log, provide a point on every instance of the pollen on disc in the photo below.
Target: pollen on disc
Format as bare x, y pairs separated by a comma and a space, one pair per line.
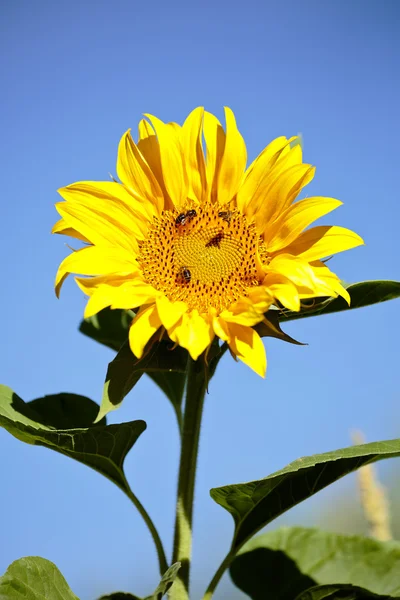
204, 256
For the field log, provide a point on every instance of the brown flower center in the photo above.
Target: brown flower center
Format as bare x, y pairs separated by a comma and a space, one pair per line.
205, 256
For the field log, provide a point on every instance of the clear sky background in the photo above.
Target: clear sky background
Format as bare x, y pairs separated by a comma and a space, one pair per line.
75, 75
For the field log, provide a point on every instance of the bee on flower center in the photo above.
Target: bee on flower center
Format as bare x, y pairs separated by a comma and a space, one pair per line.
183, 218
216, 240
226, 215
185, 275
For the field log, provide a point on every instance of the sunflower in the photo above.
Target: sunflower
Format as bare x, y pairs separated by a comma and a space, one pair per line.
196, 243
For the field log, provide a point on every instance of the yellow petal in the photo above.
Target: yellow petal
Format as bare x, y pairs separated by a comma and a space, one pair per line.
126, 292
258, 171
260, 298
322, 241
96, 303
144, 325
295, 219
194, 157
133, 294
171, 156
283, 290
193, 332
136, 174
247, 317
246, 344
214, 137
271, 152
287, 157
95, 261
63, 229
290, 156
170, 312
99, 227
299, 272
89, 285
104, 213
282, 193
233, 161
221, 328
118, 291
175, 126
145, 130
331, 280
109, 191
149, 147
127, 295
249, 310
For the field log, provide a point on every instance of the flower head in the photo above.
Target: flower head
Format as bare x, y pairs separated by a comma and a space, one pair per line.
199, 244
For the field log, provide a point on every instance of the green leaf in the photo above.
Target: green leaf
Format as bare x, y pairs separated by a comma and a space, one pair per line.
64, 411
255, 504
102, 447
108, 327
362, 294
111, 328
119, 596
34, 578
339, 592
125, 371
166, 581
288, 561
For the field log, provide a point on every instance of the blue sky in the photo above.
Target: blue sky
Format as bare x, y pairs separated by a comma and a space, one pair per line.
75, 76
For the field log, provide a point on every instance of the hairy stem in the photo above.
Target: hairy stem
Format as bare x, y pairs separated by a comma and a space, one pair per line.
195, 392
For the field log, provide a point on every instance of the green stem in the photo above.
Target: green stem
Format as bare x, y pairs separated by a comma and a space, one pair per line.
195, 392
162, 560
218, 575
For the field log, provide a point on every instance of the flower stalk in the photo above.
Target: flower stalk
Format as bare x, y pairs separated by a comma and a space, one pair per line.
182, 552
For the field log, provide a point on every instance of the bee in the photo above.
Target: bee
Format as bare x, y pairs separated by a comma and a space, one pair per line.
185, 274
216, 240
183, 218
226, 215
